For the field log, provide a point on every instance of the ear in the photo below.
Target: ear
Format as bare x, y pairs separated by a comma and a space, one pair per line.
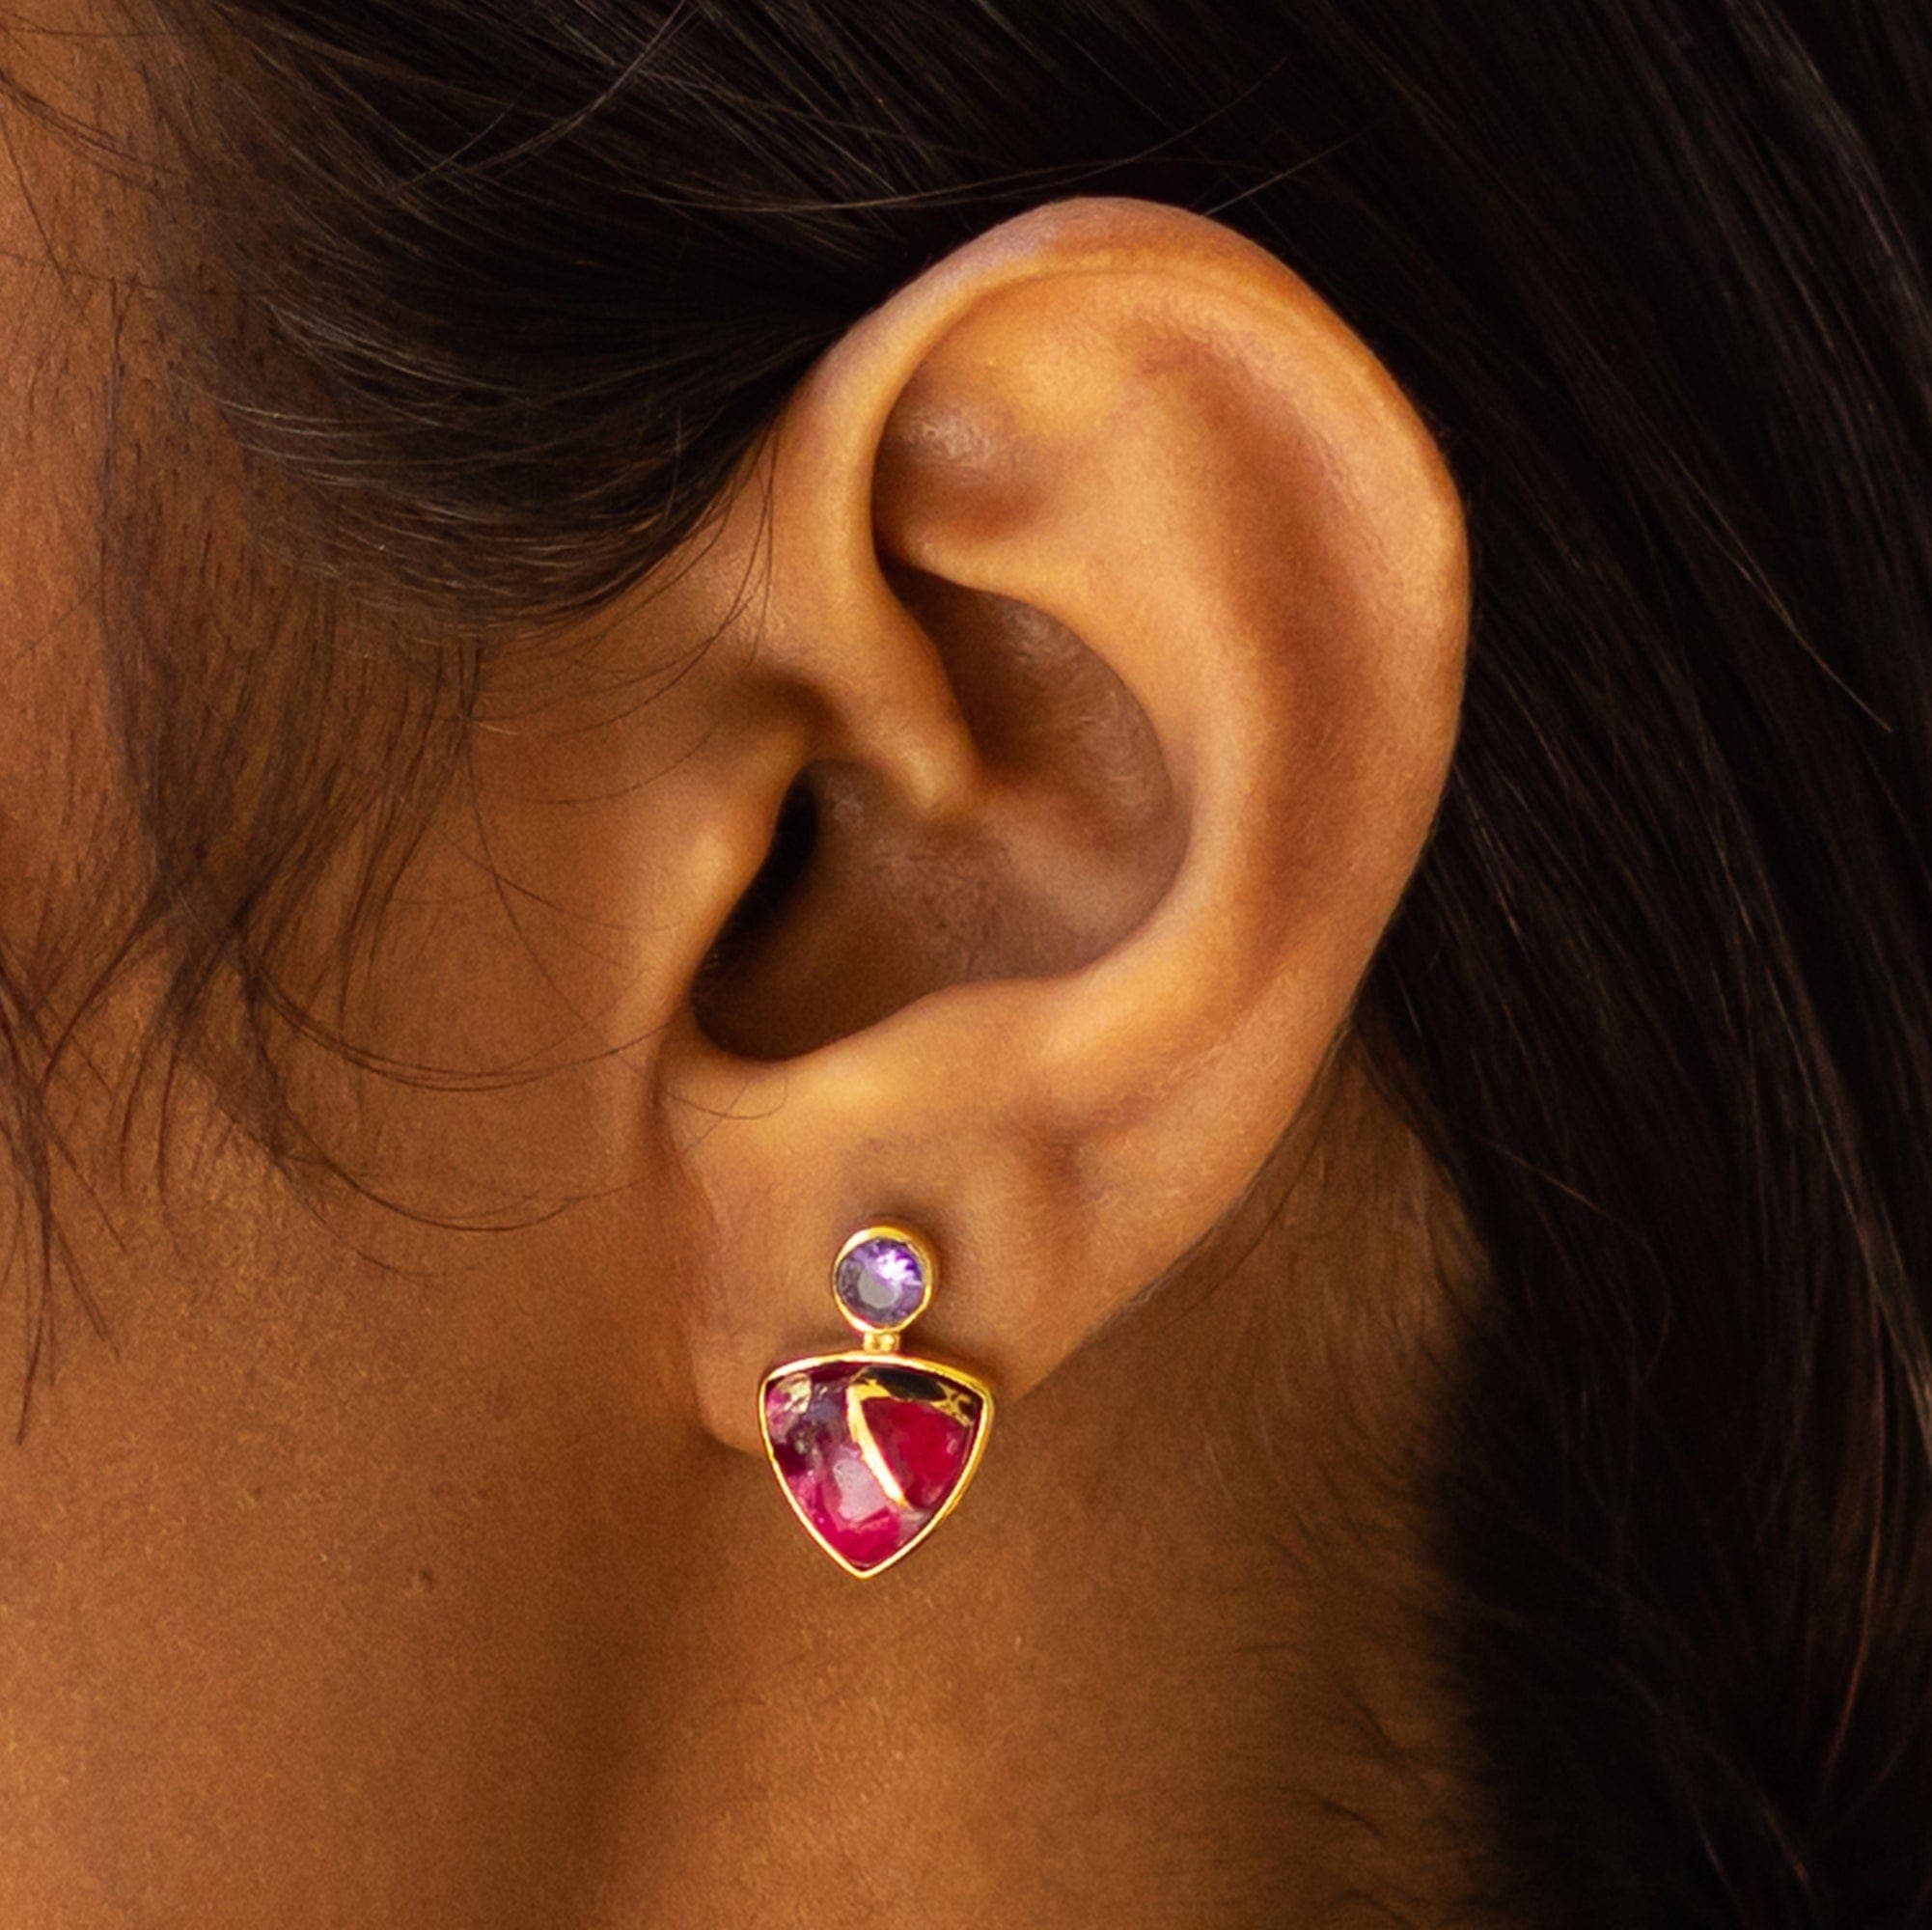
1116, 602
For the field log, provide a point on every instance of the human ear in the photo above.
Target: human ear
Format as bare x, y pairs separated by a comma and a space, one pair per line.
1111, 608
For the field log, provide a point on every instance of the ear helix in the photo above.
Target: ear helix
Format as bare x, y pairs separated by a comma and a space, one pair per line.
874, 1448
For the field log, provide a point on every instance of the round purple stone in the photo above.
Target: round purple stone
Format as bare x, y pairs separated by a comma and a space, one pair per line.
882, 1283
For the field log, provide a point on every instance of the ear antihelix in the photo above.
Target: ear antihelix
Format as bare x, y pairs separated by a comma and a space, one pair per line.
873, 1447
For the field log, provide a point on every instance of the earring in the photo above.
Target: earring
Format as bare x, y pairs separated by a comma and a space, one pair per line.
873, 1447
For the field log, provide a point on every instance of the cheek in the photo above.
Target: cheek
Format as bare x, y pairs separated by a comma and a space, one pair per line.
323, 1590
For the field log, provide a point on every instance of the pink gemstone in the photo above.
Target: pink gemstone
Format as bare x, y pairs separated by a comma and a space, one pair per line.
870, 1450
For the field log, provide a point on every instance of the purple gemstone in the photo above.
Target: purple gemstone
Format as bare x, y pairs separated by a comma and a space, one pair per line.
880, 1282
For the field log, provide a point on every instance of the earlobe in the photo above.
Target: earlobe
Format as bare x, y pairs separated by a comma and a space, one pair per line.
1130, 595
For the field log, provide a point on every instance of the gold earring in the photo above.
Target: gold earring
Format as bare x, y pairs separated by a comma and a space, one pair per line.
873, 1447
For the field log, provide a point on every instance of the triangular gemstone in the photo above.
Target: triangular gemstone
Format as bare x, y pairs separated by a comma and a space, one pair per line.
872, 1450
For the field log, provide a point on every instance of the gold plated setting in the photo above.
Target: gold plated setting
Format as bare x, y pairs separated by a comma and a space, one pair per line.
874, 1448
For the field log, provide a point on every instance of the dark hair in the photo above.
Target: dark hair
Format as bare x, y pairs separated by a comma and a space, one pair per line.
1662, 995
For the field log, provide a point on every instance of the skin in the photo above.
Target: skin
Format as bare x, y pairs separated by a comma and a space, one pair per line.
414, 1562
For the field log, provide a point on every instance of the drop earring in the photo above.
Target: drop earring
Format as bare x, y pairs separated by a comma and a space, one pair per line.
873, 1447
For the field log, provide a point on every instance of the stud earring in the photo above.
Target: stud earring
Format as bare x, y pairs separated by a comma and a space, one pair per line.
874, 1448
